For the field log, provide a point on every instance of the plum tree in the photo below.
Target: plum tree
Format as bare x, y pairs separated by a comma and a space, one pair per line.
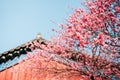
90, 40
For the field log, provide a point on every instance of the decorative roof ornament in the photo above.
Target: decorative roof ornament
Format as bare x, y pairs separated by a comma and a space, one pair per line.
39, 35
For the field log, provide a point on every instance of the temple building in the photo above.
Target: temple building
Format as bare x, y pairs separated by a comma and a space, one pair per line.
13, 62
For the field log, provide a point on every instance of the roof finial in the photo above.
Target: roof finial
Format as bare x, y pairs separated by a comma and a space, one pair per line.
38, 36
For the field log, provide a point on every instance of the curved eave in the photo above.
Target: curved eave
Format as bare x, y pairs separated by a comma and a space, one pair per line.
10, 55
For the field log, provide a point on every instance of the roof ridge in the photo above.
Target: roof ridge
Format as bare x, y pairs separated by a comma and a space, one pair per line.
18, 51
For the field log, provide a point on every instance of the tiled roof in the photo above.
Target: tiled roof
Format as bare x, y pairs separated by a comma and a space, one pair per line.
13, 56
10, 59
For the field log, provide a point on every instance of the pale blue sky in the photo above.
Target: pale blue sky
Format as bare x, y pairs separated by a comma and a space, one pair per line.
21, 20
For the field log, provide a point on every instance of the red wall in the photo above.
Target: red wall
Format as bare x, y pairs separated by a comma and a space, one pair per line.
16, 73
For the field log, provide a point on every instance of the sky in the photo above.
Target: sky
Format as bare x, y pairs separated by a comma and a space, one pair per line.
21, 20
